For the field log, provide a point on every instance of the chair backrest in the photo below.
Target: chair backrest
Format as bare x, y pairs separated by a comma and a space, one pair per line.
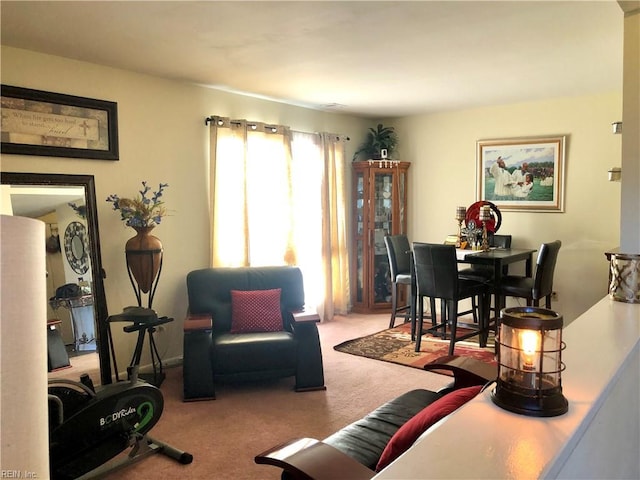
545, 268
209, 290
399, 252
436, 270
500, 241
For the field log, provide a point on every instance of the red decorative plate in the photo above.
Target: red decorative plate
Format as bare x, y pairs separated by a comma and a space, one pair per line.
473, 213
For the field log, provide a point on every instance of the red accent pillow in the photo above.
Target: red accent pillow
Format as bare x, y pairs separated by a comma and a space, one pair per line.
429, 415
256, 311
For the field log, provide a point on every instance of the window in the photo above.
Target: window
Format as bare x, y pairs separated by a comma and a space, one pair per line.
277, 198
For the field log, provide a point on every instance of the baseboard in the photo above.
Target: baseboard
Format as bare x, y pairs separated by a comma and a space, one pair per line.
148, 368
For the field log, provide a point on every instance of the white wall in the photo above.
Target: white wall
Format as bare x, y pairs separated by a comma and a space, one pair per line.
163, 138
442, 148
630, 226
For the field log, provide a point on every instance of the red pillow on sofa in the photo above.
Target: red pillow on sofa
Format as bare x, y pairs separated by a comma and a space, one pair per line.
429, 415
256, 311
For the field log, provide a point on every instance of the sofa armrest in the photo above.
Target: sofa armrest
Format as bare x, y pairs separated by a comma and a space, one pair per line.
197, 322
310, 459
305, 315
197, 369
467, 371
310, 372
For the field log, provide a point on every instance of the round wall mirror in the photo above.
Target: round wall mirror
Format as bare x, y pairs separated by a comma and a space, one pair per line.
76, 247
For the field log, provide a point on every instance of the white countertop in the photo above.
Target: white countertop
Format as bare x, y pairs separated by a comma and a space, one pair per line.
481, 440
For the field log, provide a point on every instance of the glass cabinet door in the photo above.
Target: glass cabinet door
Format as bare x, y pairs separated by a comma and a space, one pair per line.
360, 235
382, 225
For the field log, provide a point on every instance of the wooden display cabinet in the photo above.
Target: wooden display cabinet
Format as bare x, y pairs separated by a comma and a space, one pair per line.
380, 208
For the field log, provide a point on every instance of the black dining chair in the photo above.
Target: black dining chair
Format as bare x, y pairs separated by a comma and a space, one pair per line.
399, 252
436, 272
535, 288
484, 273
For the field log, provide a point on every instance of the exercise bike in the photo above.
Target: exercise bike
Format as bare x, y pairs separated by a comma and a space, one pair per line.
89, 426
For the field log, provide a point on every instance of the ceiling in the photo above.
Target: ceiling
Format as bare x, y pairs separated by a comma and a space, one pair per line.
372, 59
34, 201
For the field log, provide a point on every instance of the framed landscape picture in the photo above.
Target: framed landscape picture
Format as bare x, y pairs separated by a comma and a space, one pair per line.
522, 173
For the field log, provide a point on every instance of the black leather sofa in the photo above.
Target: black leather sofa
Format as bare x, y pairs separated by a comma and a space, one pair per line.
212, 353
354, 451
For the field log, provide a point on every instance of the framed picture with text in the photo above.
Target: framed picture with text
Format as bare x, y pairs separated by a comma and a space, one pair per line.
522, 173
35, 122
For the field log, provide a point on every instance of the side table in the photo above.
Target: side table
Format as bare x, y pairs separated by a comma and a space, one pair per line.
82, 320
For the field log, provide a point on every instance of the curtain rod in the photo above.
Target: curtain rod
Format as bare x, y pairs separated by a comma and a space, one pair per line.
207, 120
272, 128
253, 125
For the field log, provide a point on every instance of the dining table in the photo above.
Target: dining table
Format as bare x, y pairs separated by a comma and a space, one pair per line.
497, 258
494, 257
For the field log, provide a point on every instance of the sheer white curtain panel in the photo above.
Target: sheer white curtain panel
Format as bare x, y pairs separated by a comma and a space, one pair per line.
277, 198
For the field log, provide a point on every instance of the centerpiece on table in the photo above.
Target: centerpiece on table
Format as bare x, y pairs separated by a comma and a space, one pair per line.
143, 251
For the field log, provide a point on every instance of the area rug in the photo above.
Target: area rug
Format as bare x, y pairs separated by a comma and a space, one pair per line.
394, 345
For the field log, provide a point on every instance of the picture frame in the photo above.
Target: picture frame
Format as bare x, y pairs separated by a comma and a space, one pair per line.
502, 180
35, 122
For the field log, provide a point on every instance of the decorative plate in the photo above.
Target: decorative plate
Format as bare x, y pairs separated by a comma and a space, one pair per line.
76, 247
473, 213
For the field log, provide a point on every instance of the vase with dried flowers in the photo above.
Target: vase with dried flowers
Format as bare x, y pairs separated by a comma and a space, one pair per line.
143, 251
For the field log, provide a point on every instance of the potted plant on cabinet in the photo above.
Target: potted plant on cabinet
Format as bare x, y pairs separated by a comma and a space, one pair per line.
378, 139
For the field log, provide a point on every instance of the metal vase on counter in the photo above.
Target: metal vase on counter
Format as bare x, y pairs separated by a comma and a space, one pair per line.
624, 277
530, 362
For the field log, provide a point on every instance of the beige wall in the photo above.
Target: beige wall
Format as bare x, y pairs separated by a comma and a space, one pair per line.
442, 148
163, 138
630, 226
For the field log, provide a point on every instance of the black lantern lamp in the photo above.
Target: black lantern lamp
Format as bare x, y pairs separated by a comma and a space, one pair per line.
530, 362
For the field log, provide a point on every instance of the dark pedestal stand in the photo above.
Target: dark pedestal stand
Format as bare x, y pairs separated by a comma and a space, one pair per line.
147, 316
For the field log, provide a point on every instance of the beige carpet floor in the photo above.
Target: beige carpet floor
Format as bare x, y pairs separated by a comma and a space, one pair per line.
225, 434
